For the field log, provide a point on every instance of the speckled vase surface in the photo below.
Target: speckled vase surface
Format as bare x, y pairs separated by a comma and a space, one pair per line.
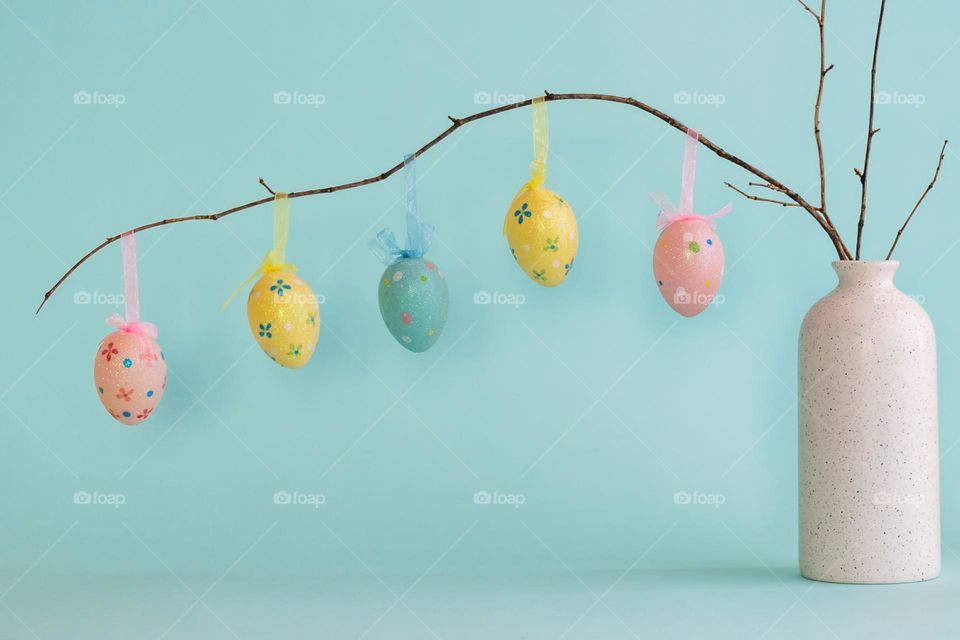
869, 477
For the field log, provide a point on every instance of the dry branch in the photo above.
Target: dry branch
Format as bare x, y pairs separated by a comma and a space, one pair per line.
923, 195
870, 132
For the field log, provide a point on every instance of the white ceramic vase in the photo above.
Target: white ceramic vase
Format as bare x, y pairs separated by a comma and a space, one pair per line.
868, 448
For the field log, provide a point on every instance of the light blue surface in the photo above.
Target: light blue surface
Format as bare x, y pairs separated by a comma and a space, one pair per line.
548, 431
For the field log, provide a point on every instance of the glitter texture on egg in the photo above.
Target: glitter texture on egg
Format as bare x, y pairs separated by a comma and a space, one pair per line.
688, 265
413, 299
542, 234
130, 374
284, 318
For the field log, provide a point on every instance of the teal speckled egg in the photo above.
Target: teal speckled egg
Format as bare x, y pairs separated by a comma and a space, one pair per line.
413, 302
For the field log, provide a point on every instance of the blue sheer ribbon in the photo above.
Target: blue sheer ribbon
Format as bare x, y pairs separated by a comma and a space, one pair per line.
419, 234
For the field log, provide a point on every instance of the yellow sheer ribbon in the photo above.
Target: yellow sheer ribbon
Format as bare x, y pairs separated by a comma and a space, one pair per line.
538, 168
275, 258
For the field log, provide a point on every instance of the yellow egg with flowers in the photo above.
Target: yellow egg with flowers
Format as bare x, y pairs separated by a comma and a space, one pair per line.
542, 233
284, 317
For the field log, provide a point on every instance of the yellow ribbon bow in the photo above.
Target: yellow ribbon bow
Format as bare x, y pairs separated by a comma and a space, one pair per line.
275, 258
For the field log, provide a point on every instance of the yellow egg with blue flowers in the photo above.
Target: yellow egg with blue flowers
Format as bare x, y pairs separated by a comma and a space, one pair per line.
542, 233
284, 317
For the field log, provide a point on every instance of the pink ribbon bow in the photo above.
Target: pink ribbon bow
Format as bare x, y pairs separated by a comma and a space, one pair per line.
145, 329
669, 212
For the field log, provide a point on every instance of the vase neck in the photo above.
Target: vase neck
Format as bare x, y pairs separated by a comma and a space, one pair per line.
873, 273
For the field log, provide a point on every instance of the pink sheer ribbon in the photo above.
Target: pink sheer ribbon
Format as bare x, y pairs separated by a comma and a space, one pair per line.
669, 212
131, 297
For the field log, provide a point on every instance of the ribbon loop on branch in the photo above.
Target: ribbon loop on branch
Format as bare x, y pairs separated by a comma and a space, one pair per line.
541, 142
275, 260
669, 212
131, 295
419, 234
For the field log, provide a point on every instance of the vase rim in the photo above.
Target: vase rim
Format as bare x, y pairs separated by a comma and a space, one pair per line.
838, 263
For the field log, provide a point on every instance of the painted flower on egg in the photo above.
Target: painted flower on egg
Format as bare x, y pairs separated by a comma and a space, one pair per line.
688, 265
130, 374
413, 299
283, 314
542, 233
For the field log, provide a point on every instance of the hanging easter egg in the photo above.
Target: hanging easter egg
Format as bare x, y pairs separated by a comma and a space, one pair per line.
130, 375
413, 300
688, 265
688, 256
284, 318
282, 311
540, 227
129, 370
542, 234
412, 294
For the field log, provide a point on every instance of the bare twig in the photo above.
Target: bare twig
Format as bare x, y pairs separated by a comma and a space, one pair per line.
870, 131
782, 203
771, 182
267, 187
811, 11
766, 185
824, 70
923, 195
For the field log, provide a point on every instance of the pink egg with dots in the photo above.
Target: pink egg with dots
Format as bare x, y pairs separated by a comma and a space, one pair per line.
130, 375
688, 265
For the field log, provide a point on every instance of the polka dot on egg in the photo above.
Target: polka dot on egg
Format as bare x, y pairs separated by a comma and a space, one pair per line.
548, 214
687, 237
150, 393
406, 318
398, 276
126, 414
423, 278
100, 389
127, 362
555, 263
710, 241
407, 339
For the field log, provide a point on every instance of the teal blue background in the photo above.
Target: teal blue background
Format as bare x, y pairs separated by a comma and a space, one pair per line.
594, 401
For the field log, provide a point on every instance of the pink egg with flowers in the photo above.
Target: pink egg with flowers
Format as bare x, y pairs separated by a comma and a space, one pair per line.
688, 265
130, 374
